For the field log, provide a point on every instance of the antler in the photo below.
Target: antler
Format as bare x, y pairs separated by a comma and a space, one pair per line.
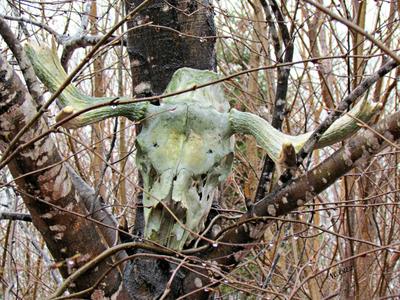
273, 141
49, 70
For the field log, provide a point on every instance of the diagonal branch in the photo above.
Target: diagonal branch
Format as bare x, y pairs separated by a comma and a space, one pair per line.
26, 67
342, 107
301, 190
14, 216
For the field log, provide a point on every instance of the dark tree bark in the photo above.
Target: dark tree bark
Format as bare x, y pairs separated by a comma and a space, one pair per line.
181, 34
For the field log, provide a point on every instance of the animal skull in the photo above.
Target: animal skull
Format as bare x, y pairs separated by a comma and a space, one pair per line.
185, 148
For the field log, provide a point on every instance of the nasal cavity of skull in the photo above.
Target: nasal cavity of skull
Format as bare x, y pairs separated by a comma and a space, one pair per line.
153, 174
203, 177
178, 210
198, 184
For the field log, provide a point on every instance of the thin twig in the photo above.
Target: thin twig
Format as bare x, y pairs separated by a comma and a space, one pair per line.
343, 107
357, 29
14, 216
68, 80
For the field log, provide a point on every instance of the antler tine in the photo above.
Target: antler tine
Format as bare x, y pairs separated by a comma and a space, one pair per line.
72, 100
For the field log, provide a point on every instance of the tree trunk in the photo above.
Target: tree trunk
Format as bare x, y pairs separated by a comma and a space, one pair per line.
55, 196
181, 34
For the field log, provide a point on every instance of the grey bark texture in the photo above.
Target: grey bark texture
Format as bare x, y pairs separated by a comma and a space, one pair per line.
54, 200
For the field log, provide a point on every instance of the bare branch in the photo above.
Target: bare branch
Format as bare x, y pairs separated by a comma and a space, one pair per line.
26, 66
342, 107
13, 216
57, 36
358, 29
81, 41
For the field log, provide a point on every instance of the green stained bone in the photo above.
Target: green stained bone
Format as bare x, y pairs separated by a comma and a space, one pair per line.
183, 151
185, 148
271, 140
189, 150
48, 68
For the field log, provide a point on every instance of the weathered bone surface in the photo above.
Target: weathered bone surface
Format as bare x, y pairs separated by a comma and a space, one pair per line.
49, 70
185, 147
183, 151
272, 140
